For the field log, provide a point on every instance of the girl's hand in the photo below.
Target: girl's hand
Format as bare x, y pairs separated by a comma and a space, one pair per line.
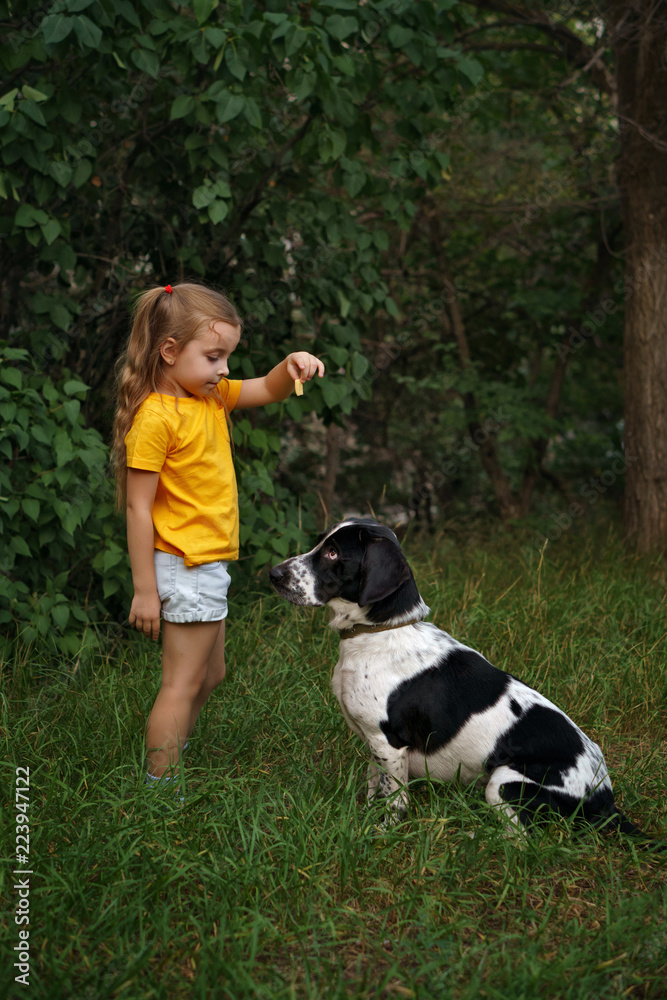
304, 366
145, 614
279, 383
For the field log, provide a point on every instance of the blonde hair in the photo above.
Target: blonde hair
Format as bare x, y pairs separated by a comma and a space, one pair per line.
185, 313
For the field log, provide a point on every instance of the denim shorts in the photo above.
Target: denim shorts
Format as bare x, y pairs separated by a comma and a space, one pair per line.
191, 593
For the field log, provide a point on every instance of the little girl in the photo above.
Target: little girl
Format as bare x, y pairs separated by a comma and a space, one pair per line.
174, 469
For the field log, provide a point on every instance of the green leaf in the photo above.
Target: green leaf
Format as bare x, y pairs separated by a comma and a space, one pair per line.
28, 215
30, 508
74, 385
216, 37
304, 84
344, 303
217, 211
14, 353
126, 10
11, 376
203, 9
49, 391
324, 146
229, 106
51, 230
146, 61
298, 38
338, 355
338, 142
63, 447
33, 111
32, 94
182, 106
203, 196
281, 545
56, 27
8, 411
345, 64
360, 365
112, 557
88, 33
7, 100
282, 28
82, 172
399, 35
333, 391
72, 408
354, 183
61, 316
341, 27
252, 112
20, 546
43, 623
391, 307
60, 615
236, 67
470, 68
61, 172
41, 434
258, 439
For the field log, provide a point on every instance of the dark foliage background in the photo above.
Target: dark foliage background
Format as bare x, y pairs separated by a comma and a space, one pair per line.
430, 208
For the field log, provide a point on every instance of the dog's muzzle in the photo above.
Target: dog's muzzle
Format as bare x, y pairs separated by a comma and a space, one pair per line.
293, 581
278, 575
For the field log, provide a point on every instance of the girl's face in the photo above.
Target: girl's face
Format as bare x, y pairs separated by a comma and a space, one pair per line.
196, 369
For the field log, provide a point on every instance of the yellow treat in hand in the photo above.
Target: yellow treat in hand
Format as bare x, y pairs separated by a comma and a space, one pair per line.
298, 386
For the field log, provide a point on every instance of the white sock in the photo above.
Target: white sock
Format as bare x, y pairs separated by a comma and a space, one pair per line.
165, 779
156, 777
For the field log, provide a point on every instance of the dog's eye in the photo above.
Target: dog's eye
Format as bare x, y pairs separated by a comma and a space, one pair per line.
330, 554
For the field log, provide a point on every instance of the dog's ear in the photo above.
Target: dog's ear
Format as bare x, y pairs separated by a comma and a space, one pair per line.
383, 570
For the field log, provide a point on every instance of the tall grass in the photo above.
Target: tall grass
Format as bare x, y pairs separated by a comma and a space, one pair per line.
272, 880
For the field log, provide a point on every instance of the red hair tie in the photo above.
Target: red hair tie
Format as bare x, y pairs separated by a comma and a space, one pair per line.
168, 288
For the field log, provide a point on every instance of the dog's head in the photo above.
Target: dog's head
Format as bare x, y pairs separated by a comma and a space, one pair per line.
358, 568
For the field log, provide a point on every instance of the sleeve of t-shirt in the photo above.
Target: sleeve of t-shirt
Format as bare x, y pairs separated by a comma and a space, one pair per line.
230, 390
147, 441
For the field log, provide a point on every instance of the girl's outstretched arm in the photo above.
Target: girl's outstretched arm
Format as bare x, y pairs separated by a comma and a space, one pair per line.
278, 384
145, 611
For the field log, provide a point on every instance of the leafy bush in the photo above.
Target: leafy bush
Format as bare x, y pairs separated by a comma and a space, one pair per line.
63, 562
64, 566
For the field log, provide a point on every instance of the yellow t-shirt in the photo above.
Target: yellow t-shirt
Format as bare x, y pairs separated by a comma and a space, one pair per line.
186, 440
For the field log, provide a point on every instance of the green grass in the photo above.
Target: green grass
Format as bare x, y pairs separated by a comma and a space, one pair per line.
272, 881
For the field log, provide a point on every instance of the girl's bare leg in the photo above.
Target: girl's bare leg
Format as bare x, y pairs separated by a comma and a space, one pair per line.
186, 651
215, 674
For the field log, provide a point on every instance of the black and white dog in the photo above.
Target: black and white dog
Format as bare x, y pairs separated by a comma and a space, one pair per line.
427, 705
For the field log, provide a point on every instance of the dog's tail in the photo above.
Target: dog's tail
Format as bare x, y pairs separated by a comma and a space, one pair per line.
617, 822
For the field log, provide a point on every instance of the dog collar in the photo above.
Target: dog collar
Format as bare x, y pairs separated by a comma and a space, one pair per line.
350, 633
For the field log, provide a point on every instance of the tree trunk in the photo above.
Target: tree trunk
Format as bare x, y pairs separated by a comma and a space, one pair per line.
334, 443
641, 71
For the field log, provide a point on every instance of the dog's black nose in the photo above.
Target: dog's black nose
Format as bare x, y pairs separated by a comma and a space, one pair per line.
276, 574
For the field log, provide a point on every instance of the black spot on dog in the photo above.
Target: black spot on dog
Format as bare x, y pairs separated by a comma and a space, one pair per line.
543, 745
426, 711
